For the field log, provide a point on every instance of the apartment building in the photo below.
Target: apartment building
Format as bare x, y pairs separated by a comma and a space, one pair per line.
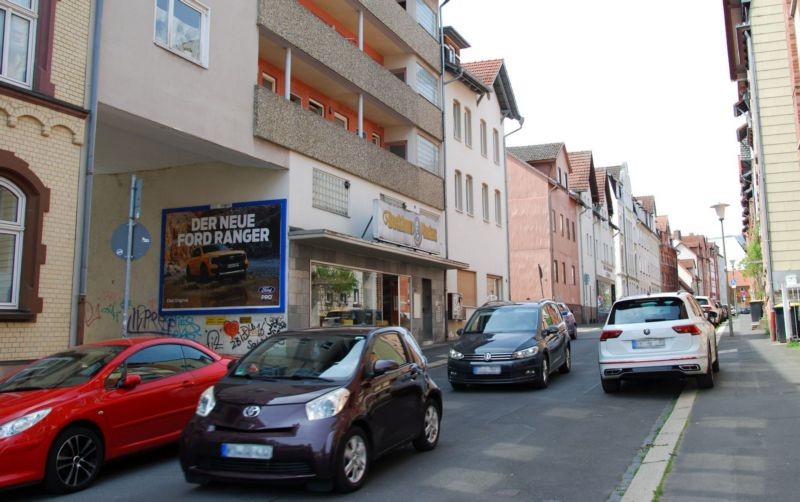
603, 232
763, 61
647, 257
545, 260
44, 54
627, 280
668, 256
291, 160
478, 100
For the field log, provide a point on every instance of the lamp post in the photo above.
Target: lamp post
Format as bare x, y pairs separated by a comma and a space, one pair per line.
720, 209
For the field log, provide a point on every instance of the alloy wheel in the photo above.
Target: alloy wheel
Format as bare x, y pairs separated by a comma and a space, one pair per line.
431, 424
355, 459
77, 460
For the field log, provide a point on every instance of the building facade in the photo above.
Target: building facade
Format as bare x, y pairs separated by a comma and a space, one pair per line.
544, 251
584, 185
668, 256
603, 235
627, 281
291, 166
44, 64
478, 99
647, 243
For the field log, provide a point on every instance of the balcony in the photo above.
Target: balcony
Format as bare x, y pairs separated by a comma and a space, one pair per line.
322, 50
285, 123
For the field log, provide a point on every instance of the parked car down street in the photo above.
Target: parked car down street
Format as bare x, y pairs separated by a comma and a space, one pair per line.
316, 406
63, 416
658, 335
510, 342
569, 319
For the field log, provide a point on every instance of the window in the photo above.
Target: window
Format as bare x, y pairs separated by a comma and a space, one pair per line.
269, 82
456, 120
564, 271
485, 201
155, 362
340, 120
330, 193
568, 237
494, 287
427, 85
426, 17
427, 155
398, 148
467, 286
574, 279
182, 27
562, 224
459, 191
194, 358
555, 271
388, 346
294, 98
553, 220
17, 32
400, 73
573, 231
498, 208
468, 189
376, 139
316, 107
496, 145
12, 225
468, 127
483, 138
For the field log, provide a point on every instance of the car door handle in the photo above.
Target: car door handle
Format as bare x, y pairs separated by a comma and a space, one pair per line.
187, 383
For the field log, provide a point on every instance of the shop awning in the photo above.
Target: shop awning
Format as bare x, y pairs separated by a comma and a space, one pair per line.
335, 240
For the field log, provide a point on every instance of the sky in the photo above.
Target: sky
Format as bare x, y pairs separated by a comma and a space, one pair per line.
633, 81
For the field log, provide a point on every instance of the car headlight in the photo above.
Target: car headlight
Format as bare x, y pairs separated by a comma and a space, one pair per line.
23, 423
206, 402
454, 354
525, 353
327, 405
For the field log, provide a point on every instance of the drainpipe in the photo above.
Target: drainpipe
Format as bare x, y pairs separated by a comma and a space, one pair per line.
762, 193
550, 231
505, 186
287, 74
85, 188
444, 155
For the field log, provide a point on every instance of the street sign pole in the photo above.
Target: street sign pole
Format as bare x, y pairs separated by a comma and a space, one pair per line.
133, 213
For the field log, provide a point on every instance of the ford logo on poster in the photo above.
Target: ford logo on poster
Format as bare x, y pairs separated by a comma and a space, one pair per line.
227, 259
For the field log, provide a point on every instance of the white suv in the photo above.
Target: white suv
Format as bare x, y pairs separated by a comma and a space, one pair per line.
663, 334
709, 305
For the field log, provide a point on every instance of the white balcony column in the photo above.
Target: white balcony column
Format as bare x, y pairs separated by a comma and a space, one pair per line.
360, 115
287, 74
361, 30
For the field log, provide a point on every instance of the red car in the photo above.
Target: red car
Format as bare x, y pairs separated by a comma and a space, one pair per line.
61, 417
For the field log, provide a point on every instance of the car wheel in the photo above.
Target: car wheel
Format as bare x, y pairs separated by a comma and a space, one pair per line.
715, 366
429, 437
574, 334
353, 462
204, 277
544, 373
74, 460
610, 386
458, 386
567, 366
706, 380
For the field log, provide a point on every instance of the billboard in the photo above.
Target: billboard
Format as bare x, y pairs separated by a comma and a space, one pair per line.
224, 259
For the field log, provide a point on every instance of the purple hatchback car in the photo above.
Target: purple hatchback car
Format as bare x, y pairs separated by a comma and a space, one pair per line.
317, 405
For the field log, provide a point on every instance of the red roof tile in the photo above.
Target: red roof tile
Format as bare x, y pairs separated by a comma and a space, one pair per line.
648, 202
581, 163
485, 71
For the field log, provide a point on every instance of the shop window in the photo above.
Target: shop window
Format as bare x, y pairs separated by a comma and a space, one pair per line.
23, 202
330, 193
17, 40
182, 27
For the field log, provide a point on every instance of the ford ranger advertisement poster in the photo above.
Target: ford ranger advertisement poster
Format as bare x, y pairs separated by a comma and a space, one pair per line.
225, 258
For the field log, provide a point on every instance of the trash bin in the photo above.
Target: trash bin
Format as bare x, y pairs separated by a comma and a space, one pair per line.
756, 310
780, 327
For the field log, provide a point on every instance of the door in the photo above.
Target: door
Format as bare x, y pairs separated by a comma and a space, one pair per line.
394, 397
427, 310
157, 409
554, 334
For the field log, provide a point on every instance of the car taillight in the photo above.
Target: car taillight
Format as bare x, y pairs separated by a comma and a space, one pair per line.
689, 328
610, 333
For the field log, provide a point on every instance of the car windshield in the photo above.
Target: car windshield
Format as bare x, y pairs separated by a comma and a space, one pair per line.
648, 310
504, 319
317, 356
212, 248
65, 369
702, 301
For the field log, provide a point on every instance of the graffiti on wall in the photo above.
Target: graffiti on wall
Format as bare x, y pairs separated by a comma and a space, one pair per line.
224, 334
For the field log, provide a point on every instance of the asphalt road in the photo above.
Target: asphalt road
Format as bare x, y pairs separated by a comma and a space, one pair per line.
569, 442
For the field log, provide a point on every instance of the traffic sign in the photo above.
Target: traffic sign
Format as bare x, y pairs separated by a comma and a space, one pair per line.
139, 245
733, 282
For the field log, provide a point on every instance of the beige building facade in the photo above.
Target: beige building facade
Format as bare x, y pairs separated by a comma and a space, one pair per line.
43, 81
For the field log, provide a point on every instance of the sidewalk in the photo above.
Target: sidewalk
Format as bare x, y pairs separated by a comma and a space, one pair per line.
742, 440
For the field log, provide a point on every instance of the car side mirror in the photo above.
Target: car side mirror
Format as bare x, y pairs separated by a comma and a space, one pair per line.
130, 382
460, 331
384, 366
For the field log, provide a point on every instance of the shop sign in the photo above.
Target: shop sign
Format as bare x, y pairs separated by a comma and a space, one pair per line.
223, 259
406, 228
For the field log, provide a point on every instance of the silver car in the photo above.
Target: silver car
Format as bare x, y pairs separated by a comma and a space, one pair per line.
664, 334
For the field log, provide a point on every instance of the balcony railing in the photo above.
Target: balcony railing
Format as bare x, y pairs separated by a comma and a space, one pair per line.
287, 124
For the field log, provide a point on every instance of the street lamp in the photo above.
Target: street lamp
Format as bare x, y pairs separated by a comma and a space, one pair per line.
720, 209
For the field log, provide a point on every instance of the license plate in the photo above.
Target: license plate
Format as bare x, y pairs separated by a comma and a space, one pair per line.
233, 265
256, 451
486, 370
650, 343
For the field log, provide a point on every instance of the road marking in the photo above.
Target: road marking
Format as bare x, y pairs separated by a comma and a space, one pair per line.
728, 351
